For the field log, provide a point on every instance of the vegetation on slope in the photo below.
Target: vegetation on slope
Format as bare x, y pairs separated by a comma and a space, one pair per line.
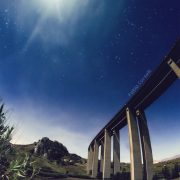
12, 167
167, 169
60, 164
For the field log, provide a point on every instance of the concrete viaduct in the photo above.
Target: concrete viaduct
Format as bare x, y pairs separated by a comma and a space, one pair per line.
133, 115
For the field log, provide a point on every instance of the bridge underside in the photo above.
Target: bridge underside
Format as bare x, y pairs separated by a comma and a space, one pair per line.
132, 114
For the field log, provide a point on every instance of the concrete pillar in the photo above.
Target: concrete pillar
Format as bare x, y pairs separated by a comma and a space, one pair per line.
102, 157
135, 151
90, 160
116, 151
107, 155
95, 160
146, 145
174, 67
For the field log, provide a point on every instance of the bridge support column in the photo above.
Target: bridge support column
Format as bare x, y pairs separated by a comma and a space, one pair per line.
102, 156
116, 151
135, 151
107, 155
174, 67
90, 160
146, 145
95, 160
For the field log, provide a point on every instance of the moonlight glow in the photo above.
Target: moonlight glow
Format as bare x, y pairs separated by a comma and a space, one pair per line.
63, 13
58, 8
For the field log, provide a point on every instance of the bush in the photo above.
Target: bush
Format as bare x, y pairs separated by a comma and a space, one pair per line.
175, 171
15, 169
122, 175
79, 176
5, 146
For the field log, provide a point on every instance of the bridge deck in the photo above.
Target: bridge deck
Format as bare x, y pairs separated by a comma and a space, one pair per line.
152, 89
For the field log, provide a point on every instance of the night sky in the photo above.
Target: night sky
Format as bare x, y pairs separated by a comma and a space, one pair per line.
67, 66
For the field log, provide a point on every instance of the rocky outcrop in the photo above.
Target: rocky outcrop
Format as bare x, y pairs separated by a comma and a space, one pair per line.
77, 159
52, 150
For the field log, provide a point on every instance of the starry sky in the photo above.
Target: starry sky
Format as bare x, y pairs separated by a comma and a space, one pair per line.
66, 68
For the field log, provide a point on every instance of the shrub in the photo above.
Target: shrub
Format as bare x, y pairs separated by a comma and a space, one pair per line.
12, 169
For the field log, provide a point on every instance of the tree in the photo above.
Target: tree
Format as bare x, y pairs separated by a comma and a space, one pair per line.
166, 172
5, 138
175, 171
12, 169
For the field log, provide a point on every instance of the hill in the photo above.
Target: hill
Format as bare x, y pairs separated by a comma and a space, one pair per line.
169, 169
171, 158
52, 158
